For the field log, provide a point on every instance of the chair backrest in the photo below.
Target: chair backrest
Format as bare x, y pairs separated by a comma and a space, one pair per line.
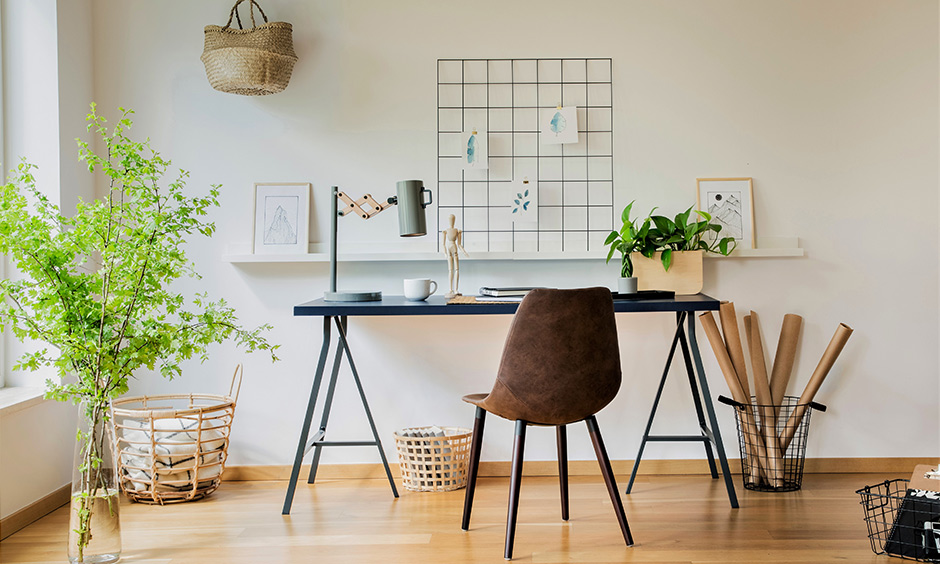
561, 361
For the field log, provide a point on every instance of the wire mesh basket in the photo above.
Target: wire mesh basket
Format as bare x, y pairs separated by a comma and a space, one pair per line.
772, 441
901, 521
432, 463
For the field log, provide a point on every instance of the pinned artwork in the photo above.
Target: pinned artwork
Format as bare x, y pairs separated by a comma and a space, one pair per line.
560, 125
523, 202
475, 150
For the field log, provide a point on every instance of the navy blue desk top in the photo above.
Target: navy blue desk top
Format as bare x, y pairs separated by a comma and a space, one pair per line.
436, 305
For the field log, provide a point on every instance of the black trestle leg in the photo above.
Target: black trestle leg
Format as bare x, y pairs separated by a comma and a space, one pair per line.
562, 440
608, 473
515, 483
475, 444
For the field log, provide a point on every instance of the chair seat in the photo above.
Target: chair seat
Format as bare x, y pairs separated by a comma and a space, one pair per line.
503, 402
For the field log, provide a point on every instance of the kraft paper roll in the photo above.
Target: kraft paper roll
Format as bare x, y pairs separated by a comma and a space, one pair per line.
727, 369
841, 336
765, 400
729, 326
783, 359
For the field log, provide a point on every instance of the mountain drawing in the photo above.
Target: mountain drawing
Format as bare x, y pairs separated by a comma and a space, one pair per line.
280, 231
727, 212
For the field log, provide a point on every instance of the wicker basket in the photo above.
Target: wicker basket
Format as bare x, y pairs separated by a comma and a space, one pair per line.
433, 464
250, 62
172, 448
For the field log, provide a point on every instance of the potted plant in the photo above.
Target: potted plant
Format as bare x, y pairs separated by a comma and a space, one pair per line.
669, 257
626, 241
96, 287
660, 244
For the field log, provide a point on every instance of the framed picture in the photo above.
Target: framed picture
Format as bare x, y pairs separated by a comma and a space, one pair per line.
730, 201
282, 218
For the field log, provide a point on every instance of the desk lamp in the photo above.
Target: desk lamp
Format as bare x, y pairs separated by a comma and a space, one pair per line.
411, 223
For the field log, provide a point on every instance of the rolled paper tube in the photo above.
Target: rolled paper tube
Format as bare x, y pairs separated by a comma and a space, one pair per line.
729, 326
768, 423
727, 370
783, 358
842, 334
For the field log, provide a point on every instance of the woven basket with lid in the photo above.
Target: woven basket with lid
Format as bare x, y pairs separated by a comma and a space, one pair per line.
250, 62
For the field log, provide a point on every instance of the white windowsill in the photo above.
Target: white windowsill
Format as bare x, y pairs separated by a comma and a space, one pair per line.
15, 399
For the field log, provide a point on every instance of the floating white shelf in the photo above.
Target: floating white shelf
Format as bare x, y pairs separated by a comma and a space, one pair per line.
780, 247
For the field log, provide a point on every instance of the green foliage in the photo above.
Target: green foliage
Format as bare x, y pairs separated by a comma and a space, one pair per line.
659, 233
627, 240
96, 285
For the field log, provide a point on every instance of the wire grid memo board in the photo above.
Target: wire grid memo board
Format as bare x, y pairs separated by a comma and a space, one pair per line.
573, 183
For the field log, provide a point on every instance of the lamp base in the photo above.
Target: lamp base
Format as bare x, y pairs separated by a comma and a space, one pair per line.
356, 296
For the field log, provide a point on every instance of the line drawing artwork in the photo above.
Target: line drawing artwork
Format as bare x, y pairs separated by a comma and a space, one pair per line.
726, 210
280, 220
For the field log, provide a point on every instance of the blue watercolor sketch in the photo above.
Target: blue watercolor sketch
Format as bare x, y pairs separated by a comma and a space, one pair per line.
522, 202
558, 123
473, 153
471, 149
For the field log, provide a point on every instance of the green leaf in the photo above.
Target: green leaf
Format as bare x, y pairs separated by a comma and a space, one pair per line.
664, 224
611, 238
625, 215
683, 219
610, 253
667, 259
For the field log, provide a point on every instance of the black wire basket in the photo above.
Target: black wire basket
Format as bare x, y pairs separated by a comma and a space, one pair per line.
772, 458
902, 522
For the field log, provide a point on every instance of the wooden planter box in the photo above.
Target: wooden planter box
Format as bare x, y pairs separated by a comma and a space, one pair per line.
684, 276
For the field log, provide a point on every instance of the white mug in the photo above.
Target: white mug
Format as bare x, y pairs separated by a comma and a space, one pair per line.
417, 289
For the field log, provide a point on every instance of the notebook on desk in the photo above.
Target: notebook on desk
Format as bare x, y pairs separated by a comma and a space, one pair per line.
507, 292
646, 295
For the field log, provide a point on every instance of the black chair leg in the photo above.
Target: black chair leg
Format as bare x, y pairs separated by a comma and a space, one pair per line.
515, 484
608, 473
562, 440
475, 444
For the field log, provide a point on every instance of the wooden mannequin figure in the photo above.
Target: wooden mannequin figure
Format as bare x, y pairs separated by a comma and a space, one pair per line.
452, 239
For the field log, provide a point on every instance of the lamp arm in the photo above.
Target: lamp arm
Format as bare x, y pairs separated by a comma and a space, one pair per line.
356, 206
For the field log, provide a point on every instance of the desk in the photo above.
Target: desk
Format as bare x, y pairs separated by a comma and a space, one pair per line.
336, 314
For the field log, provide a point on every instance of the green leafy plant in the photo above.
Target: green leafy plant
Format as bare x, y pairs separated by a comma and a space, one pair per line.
95, 286
627, 240
659, 233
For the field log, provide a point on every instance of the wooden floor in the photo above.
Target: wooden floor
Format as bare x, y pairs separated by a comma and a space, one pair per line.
675, 519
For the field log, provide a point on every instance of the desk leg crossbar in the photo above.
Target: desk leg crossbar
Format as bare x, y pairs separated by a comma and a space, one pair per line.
317, 442
710, 434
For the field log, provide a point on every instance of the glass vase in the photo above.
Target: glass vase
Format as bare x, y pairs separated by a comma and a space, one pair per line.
95, 521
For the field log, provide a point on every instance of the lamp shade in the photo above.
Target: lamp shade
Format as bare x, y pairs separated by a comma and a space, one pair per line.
410, 199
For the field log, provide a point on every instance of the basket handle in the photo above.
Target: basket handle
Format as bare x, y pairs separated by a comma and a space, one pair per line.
731, 402
237, 376
739, 405
251, 12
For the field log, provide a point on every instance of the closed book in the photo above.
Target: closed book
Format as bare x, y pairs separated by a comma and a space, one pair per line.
505, 292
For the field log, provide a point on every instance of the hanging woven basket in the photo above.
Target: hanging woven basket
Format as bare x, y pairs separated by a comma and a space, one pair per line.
250, 62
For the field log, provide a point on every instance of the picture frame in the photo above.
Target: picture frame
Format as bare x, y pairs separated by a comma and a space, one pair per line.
281, 214
730, 201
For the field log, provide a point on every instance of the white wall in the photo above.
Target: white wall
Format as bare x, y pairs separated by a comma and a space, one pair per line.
831, 106
36, 452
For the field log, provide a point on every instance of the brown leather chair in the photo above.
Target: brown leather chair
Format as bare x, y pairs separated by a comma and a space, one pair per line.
560, 365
